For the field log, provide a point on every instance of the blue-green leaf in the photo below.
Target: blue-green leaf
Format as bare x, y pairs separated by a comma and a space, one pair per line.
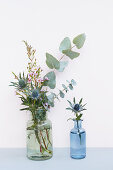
52, 62
51, 99
62, 94
65, 44
70, 86
68, 81
52, 80
71, 54
63, 64
66, 89
73, 82
79, 40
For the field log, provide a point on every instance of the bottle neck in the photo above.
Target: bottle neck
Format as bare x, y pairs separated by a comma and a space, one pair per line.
78, 124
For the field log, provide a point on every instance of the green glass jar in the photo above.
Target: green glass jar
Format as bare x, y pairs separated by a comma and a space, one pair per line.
39, 139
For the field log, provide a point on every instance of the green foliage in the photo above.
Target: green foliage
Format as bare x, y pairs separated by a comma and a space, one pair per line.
40, 114
79, 40
63, 64
70, 86
66, 89
52, 62
74, 100
52, 80
65, 44
73, 82
22, 83
30, 88
51, 99
61, 94
71, 54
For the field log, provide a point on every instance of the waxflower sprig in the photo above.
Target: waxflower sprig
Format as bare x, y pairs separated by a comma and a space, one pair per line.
77, 108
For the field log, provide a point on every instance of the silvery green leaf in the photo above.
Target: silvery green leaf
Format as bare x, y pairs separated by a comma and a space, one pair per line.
63, 64
73, 82
51, 99
68, 81
79, 40
52, 62
62, 94
65, 44
71, 54
70, 86
66, 89
52, 80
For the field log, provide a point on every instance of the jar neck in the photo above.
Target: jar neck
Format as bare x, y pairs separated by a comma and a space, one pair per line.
78, 124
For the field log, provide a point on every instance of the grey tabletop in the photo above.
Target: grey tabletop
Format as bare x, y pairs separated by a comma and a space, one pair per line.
96, 159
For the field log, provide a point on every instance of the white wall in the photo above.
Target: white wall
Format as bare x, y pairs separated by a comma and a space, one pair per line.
44, 24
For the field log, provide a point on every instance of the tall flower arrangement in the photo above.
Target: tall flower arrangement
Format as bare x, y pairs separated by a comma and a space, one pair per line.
35, 90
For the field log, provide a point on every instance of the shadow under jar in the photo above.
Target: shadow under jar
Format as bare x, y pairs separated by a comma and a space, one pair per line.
39, 139
78, 141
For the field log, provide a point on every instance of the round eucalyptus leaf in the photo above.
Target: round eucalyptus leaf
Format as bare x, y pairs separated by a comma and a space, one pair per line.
52, 62
73, 82
63, 64
51, 99
70, 86
65, 44
79, 40
62, 94
52, 80
71, 54
66, 89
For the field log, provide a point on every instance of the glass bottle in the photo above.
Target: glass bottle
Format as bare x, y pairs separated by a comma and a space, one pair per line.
39, 139
78, 141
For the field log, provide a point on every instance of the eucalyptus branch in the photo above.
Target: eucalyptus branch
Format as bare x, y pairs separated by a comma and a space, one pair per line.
59, 92
65, 54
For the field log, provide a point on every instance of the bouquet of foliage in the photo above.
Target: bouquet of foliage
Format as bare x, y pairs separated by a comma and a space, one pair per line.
34, 90
31, 88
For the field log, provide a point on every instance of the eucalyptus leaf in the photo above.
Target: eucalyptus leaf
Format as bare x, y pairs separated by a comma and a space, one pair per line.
51, 99
79, 40
66, 89
70, 86
65, 44
71, 54
62, 94
68, 81
52, 80
63, 64
73, 82
52, 62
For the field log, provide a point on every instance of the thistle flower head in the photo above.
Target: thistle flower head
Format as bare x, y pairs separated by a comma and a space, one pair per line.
22, 83
35, 94
76, 107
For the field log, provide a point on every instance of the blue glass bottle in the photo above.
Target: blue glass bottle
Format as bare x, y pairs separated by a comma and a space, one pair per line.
78, 141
